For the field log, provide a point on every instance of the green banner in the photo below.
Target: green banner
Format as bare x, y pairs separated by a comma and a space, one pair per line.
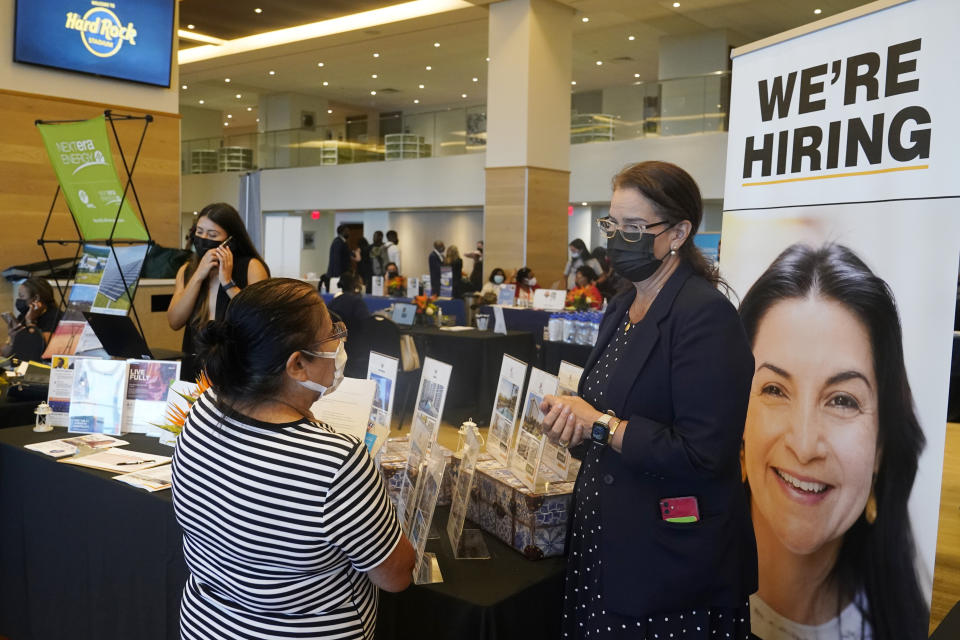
80, 154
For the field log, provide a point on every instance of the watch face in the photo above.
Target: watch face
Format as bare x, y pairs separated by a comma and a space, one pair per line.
599, 433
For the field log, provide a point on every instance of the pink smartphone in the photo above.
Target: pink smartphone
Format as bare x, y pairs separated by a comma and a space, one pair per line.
683, 509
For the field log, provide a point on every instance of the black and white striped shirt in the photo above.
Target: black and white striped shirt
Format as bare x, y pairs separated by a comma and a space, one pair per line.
279, 523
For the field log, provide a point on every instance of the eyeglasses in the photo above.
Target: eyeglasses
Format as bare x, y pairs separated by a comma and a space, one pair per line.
339, 333
629, 232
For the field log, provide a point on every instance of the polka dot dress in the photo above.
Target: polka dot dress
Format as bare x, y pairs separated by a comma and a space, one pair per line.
584, 613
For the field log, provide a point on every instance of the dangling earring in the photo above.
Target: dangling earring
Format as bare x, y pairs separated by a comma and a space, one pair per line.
870, 511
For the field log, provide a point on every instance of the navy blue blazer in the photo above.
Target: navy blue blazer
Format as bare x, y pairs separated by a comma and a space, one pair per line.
435, 262
683, 384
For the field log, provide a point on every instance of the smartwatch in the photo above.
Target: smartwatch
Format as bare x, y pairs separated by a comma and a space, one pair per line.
230, 285
600, 431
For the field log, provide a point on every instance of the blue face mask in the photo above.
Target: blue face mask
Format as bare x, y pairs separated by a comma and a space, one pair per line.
498, 279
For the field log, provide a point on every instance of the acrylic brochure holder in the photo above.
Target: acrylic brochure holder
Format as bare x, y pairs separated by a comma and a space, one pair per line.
506, 405
426, 570
525, 462
467, 544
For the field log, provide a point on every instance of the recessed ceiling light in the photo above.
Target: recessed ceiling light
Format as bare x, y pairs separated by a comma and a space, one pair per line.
258, 10
488, 59
463, 95
599, 63
376, 55
226, 79
329, 110
436, 44
239, 95
374, 76
631, 38
229, 115
584, 19
319, 64
421, 86
636, 75
272, 72
429, 68
416, 102
573, 82
325, 83
817, 12
583, 204
258, 119
184, 87
373, 93
249, 108
200, 101
676, 5
191, 26
476, 79
226, 124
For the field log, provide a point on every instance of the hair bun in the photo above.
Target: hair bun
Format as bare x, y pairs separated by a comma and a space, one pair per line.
217, 332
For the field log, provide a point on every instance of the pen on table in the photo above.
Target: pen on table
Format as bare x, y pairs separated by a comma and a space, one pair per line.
136, 462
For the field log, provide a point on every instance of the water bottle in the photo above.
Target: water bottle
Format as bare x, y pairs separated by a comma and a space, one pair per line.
568, 327
555, 328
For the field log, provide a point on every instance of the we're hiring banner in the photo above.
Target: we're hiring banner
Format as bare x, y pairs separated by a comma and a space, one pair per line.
81, 157
841, 239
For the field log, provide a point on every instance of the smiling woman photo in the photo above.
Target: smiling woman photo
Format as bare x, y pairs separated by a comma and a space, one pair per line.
830, 452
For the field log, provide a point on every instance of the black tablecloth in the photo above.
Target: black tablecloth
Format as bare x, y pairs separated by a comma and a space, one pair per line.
552, 353
14, 413
83, 556
532, 320
476, 357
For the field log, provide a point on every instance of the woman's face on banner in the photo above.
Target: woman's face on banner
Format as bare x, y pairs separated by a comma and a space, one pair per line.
810, 441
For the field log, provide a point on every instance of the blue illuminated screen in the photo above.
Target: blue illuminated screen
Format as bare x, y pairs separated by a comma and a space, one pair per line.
125, 39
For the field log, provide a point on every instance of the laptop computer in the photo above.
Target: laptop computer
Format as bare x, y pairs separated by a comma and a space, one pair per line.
118, 335
404, 313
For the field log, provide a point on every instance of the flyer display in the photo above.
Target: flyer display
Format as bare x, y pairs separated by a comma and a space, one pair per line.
146, 398
97, 396
549, 299
413, 288
383, 371
505, 408
118, 281
840, 135
557, 458
528, 449
426, 570
466, 543
376, 286
506, 294
434, 381
61, 386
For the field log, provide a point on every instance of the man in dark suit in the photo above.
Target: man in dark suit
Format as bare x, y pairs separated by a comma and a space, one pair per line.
339, 254
436, 260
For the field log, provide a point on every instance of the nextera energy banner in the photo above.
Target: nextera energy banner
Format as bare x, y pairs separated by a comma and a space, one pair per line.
841, 238
81, 157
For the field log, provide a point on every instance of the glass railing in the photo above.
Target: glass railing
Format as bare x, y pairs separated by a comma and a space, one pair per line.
645, 109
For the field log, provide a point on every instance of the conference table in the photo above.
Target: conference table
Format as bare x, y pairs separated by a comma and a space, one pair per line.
454, 307
85, 557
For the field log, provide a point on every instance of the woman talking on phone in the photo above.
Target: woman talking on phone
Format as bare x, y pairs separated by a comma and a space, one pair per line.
661, 545
224, 262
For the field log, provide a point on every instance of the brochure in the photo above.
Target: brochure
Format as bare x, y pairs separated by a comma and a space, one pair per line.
413, 287
383, 371
348, 408
118, 281
118, 460
155, 479
146, 398
69, 446
528, 449
61, 385
506, 294
376, 286
557, 458
97, 396
549, 299
505, 408
446, 282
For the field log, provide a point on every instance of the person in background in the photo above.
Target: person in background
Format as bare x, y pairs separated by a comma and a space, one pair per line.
585, 286
476, 274
579, 256
393, 249
488, 295
391, 271
214, 274
364, 263
29, 332
349, 304
661, 544
435, 260
378, 254
526, 283
340, 260
302, 531
453, 260
609, 282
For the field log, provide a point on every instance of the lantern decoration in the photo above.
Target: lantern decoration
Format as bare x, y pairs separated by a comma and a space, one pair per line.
41, 412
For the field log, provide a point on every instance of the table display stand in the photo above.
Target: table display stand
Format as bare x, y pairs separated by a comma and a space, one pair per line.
525, 461
111, 241
427, 570
467, 544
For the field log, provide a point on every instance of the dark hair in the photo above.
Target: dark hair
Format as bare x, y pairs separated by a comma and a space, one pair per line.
523, 273
392, 236
581, 248
341, 229
348, 282
877, 558
675, 196
391, 264
377, 238
588, 273
497, 270
226, 217
39, 288
245, 354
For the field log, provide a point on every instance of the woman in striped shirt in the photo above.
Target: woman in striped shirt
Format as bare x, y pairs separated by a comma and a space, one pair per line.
287, 526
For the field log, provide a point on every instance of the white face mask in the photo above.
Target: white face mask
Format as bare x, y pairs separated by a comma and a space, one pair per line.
340, 361
531, 282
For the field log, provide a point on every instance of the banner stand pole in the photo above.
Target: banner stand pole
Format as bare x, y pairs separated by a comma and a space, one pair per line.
110, 241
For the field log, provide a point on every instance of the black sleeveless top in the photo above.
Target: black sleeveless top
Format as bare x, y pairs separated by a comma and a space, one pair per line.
241, 265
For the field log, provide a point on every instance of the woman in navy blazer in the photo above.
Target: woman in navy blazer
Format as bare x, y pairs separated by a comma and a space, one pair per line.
659, 417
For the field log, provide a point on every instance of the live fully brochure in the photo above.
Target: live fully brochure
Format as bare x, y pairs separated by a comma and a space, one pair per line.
146, 399
97, 396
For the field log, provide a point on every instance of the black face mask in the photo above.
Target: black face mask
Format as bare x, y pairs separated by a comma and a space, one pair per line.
22, 305
202, 245
392, 274
635, 261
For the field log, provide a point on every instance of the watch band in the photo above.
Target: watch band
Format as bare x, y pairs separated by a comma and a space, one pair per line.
230, 285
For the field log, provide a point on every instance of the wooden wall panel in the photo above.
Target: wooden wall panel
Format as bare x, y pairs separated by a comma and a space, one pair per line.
547, 203
27, 181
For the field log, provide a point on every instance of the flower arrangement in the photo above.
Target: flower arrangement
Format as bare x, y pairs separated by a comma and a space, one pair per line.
427, 305
583, 298
397, 287
176, 415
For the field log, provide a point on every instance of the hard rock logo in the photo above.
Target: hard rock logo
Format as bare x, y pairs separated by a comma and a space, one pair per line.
100, 29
